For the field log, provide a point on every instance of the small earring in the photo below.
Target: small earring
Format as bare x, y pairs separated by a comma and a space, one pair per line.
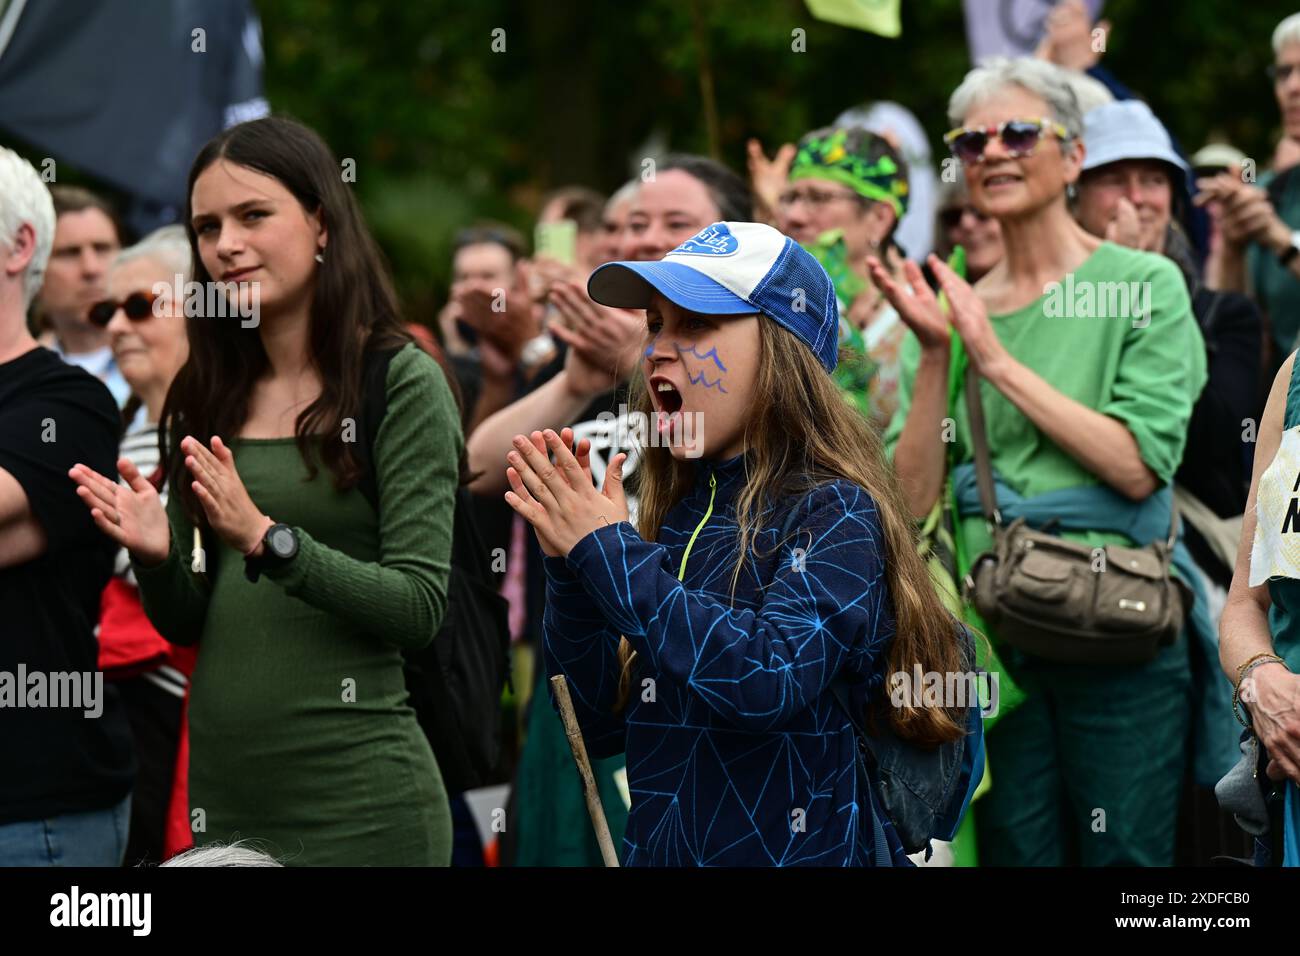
320, 256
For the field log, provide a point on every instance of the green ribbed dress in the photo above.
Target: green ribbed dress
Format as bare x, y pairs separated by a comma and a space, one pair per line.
300, 735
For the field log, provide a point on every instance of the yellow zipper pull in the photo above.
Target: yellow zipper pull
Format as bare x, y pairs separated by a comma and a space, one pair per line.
713, 489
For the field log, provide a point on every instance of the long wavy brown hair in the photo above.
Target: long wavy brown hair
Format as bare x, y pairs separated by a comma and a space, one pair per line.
354, 307
801, 434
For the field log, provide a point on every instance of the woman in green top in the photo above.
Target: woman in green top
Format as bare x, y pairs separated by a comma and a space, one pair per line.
303, 597
1089, 363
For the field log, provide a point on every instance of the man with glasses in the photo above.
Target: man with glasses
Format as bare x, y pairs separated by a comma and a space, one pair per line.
1261, 224
86, 238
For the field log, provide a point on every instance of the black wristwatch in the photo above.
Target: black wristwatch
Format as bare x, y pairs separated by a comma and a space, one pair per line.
279, 547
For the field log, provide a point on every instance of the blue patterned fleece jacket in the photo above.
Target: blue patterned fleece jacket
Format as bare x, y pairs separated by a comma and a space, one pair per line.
737, 751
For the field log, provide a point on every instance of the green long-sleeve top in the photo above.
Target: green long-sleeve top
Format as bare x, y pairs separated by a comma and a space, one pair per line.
300, 734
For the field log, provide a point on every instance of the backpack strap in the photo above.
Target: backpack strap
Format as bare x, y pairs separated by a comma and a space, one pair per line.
374, 406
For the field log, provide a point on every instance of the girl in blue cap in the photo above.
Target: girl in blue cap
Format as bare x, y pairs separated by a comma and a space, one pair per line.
771, 564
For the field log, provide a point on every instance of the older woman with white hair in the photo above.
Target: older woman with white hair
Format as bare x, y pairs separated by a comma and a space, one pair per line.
146, 328
145, 322
1086, 403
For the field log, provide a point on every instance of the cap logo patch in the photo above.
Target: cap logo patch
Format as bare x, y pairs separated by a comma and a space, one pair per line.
715, 240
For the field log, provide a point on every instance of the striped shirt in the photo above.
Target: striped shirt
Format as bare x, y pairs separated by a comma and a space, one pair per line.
140, 447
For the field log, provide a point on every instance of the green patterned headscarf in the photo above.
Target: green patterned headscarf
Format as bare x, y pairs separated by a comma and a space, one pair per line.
859, 159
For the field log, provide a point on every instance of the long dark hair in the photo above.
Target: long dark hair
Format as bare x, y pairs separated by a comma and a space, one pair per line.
354, 307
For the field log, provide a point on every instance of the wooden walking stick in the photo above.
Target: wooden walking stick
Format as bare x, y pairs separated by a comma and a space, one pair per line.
574, 733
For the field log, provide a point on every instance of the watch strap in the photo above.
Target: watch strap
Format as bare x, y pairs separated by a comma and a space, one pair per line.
1291, 251
261, 539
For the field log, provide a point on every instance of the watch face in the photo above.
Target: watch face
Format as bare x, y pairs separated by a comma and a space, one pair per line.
282, 542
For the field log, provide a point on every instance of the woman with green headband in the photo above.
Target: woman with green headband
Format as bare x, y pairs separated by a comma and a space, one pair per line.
846, 191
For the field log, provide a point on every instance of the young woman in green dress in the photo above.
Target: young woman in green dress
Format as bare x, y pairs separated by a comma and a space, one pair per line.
301, 595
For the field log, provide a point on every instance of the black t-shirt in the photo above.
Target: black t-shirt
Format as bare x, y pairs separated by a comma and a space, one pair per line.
56, 759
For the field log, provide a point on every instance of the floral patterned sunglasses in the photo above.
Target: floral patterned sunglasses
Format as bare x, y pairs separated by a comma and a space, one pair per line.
1020, 137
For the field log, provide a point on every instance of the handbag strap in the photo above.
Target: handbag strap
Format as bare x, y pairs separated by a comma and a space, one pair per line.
984, 469
1172, 540
980, 438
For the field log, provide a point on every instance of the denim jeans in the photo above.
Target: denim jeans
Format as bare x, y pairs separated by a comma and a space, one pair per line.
89, 838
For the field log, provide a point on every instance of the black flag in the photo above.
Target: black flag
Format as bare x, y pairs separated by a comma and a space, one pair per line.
129, 92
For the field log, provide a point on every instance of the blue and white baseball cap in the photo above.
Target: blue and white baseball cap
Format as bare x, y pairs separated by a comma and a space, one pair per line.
734, 268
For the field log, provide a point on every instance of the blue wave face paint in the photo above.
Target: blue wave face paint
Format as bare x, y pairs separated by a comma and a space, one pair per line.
703, 356
710, 356
702, 380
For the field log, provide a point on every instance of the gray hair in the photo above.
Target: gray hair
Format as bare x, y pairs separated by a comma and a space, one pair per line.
625, 194
25, 199
168, 246
1090, 93
1286, 33
239, 853
1045, 80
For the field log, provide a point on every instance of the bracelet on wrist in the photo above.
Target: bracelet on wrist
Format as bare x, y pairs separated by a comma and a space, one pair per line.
1252, 662
1259, 660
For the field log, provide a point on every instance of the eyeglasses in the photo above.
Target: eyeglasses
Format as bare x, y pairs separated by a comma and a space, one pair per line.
1281, 72
137, 306
951, 218
815, 198
1019, 137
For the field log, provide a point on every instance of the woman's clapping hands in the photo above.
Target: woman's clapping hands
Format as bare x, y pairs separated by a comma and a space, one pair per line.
923, 313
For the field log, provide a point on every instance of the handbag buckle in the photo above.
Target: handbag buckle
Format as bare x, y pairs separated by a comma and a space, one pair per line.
993, 521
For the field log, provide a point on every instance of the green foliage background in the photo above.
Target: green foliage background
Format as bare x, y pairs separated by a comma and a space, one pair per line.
445, 131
